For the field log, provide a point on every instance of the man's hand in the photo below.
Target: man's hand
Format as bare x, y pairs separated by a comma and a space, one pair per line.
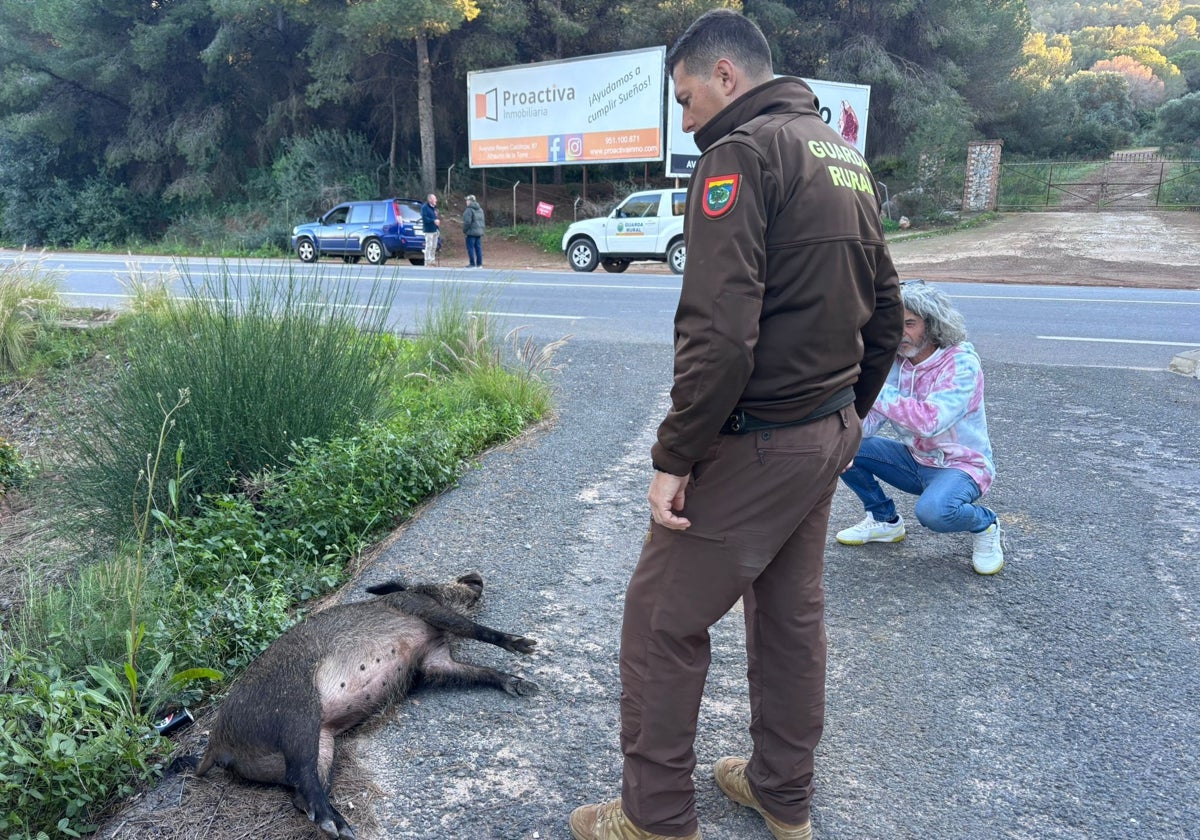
666, 497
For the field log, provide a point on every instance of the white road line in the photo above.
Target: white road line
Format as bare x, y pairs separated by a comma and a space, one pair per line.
1116, 340
532, 315
319, 304
1082, 300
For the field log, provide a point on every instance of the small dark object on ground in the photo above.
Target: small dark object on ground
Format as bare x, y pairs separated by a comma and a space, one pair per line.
332, 671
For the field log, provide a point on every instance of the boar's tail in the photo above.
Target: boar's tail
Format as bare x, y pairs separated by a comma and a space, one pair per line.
185, 762
387, 588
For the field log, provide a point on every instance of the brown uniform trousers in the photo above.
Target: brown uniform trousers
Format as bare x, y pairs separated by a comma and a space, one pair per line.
759, 507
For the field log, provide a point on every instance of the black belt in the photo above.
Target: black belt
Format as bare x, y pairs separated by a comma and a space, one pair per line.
743, 423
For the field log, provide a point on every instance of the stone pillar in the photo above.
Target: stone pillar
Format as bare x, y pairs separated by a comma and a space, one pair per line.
982, 183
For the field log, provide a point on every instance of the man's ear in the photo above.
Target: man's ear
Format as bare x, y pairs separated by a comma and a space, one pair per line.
726, 75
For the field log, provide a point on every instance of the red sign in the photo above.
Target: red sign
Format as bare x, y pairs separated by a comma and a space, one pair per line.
544, 209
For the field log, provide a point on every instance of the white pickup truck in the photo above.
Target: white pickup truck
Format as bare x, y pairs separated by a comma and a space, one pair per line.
645, 226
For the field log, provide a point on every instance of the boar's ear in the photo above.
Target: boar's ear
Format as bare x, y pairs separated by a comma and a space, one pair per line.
387, 588
473, 580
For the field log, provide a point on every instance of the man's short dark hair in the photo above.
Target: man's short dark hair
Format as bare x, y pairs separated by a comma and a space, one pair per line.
717, 34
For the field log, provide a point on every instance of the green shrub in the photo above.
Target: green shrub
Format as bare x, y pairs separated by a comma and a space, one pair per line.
547, 236
68, 748
264, 364
315, 172
13, 471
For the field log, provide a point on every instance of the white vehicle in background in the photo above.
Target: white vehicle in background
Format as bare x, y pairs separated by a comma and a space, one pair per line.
645, 226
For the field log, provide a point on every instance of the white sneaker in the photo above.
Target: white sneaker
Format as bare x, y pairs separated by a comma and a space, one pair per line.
987, 557
872, 530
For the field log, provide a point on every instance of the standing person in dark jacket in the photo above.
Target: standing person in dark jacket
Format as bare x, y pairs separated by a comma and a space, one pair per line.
473, 230
431, 227
787, 324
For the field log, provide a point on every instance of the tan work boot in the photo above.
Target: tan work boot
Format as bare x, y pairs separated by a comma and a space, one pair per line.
607, 821
731, 778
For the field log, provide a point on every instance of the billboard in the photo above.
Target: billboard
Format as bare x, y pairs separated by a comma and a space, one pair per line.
596, 109
843, 107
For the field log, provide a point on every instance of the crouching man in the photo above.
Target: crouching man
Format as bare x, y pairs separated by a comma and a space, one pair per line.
933, 400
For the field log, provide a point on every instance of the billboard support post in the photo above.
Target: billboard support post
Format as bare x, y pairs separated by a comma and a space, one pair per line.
515, 204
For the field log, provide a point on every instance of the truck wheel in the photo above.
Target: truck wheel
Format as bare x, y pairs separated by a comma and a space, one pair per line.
677, 256
306, 250
582, 254
613, 265
374, 252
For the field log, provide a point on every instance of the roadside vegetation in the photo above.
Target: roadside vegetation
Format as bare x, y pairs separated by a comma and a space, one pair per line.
237, 452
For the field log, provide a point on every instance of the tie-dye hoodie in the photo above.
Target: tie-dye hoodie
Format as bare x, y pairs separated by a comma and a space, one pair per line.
936, 408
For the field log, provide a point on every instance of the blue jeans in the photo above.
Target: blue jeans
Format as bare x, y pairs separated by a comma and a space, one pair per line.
947, 495
474, 250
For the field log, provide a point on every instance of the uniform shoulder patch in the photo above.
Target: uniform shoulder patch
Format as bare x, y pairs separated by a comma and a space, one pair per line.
720, 193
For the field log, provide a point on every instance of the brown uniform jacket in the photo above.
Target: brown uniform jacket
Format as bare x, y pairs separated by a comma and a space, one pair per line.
789, 294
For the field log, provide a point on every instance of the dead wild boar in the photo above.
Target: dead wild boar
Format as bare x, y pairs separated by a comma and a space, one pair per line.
333, 670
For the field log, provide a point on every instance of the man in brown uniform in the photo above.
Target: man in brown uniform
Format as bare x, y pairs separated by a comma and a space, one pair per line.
787, 324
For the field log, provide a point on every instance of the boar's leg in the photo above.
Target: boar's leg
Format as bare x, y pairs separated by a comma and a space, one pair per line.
444, 618
309, 757
440, 668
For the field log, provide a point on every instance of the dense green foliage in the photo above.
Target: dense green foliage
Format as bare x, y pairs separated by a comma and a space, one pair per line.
265, 364
225, 123
192, 593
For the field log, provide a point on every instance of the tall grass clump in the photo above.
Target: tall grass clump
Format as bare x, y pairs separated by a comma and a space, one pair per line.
456, 338
28, 300
266, 363
453, 331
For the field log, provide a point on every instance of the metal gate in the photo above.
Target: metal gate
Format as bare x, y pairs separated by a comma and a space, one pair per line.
1126, 181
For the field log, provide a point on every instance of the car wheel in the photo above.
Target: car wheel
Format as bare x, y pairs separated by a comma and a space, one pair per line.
582, 254
614, 266
306, 250
417, 260
351, 258
374, 252
677, 256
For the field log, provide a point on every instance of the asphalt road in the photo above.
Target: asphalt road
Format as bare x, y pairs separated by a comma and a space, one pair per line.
1056, 700
1043, 323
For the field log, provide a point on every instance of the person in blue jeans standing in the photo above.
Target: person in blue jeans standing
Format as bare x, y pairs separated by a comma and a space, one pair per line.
473, 231
933, 401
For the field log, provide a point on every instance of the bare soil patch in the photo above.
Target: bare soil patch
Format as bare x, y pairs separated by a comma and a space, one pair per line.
1142, 249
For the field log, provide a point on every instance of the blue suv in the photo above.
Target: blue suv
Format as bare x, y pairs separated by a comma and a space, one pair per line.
374, 230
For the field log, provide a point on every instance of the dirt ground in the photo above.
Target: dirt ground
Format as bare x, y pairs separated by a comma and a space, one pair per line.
1154, 249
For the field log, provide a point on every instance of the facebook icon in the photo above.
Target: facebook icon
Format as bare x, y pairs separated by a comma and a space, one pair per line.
557, 153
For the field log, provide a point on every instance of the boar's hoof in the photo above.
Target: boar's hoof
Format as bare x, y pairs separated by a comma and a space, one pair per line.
331, 827
474, 580
519, 644
518, 687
